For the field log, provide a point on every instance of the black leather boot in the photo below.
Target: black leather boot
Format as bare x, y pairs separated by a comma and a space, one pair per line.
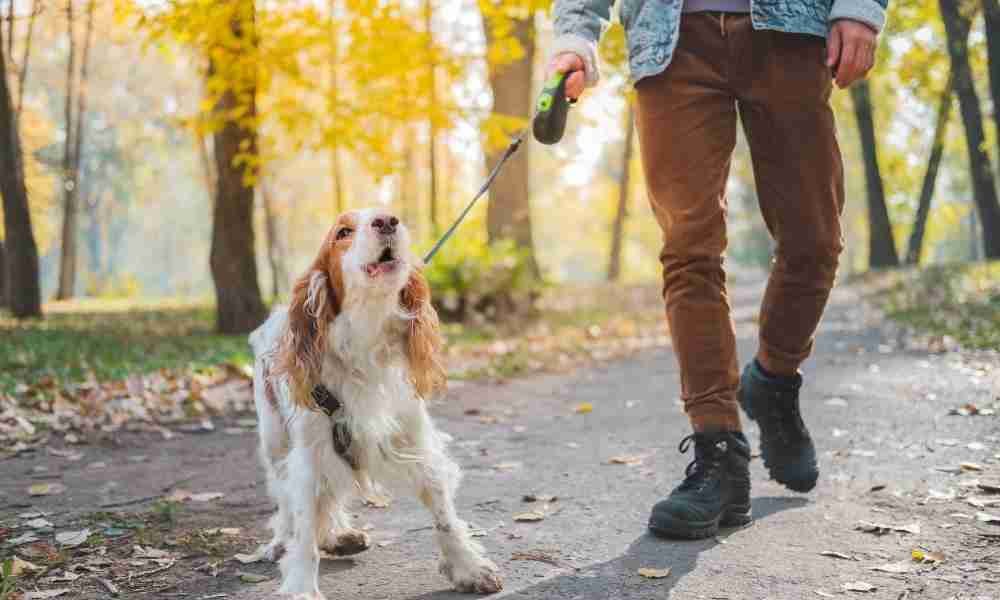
785, 444
714, 493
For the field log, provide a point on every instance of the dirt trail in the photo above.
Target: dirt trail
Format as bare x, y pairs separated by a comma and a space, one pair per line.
890, 454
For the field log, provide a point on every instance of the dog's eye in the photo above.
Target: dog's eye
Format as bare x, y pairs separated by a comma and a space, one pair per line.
343, 232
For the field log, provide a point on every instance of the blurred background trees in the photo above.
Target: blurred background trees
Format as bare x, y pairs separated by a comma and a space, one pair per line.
200, 148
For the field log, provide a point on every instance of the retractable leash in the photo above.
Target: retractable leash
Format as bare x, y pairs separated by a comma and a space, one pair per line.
548, 126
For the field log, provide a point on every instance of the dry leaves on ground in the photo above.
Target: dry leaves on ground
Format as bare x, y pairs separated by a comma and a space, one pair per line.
651, 573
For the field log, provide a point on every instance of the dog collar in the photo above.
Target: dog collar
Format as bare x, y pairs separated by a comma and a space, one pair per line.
329, 404
326, 400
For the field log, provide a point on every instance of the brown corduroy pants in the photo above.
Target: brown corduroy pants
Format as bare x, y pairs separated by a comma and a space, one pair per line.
686, 119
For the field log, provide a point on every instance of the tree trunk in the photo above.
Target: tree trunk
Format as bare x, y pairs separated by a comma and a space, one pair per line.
508, 213
618, 228
22, 73
3, 275
22, 253
991, 16
271, 228
208, 175
67, 257
881, 245
915, 246
983, 189
239, 306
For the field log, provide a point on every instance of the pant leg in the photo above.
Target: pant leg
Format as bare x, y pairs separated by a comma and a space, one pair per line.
686, 121
784, 105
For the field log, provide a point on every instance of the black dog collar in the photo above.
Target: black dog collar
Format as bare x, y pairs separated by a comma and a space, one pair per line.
341, 434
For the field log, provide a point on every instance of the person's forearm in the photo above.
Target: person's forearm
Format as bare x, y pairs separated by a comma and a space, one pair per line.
869, 12
578, 27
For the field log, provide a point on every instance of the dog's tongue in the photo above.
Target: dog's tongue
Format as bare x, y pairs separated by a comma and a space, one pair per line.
372, 269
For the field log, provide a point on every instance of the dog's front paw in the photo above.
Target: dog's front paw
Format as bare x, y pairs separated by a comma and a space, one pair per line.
479, 577
348, 542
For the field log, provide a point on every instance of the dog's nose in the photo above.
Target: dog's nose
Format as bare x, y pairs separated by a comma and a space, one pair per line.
385, 224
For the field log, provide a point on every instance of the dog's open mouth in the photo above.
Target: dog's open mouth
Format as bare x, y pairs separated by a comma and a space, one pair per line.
386, 263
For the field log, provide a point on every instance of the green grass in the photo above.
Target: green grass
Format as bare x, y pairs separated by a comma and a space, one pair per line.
960, 301
109, 341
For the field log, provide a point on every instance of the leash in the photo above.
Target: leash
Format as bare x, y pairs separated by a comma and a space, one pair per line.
548, 126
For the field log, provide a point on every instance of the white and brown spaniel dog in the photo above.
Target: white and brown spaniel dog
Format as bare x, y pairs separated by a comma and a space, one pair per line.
340, 382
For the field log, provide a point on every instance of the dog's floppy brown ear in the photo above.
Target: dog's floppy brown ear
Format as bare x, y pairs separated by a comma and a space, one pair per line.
423, 343
314, 306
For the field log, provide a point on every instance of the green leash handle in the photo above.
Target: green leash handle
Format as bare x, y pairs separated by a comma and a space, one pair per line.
551, 110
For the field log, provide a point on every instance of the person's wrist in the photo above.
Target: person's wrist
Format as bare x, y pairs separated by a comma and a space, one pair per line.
867, 26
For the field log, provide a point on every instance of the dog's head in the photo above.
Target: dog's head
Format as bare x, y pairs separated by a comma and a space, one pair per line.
364, 260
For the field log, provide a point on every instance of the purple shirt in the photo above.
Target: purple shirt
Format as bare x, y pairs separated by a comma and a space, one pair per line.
728, 6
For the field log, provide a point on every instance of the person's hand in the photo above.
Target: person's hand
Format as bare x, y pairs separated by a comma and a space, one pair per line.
570, 62
850, 51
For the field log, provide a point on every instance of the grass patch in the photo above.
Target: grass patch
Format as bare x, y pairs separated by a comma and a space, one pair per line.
959, 301
108, 341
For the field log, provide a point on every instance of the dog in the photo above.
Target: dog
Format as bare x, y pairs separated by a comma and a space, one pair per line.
341, 380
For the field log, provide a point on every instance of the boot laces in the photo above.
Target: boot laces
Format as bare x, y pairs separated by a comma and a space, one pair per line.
707, 462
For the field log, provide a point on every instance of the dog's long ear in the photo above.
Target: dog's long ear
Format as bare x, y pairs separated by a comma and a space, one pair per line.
314, 306
423, 343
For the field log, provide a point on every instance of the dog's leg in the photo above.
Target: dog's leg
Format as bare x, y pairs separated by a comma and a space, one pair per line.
462, 560
272, 451
337, 537
300, 565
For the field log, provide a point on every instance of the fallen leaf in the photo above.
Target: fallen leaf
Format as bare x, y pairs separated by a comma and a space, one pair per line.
625, 459
46, 489
38, 523
859, 586
992, 487
507, 466
939, 495
979, 502
25, 538
927, 557
537, 556
248, 558
64, 577
377, 502
529, 516
45, 594
148, 552
882, 529
538, 498
72, 539
823, 594
584, 408
70, 455
900, 567
833, 554
252, 578
987, 518
650, 573
223, 531
970, 466
20, 567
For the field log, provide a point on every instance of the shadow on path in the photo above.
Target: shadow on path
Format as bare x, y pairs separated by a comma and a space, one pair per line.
617, 578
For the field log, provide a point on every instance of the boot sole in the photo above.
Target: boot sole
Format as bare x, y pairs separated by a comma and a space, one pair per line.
796, 485
697, 530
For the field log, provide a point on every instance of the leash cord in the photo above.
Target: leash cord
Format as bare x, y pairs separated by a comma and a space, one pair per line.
511, 149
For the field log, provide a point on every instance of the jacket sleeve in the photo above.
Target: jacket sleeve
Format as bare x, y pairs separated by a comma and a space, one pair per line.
578, 27
869, 12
